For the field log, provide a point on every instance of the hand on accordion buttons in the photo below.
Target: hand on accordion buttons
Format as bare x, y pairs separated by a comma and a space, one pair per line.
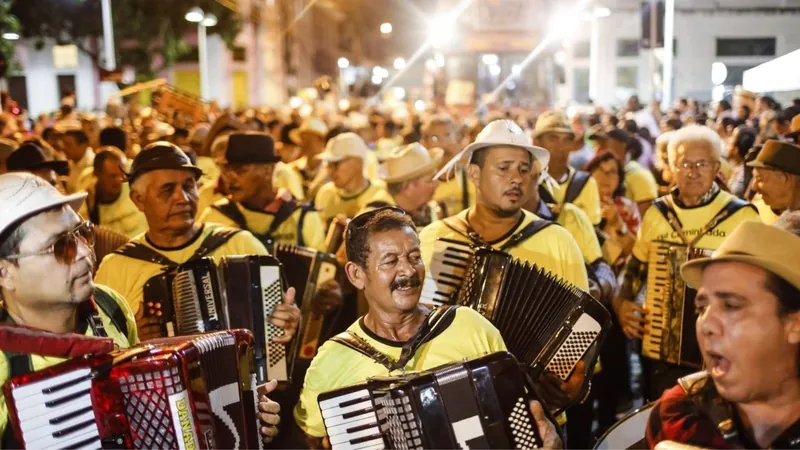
329, 297
559, 393
632, 319
149, 327
287, 316
547, 431
268, 412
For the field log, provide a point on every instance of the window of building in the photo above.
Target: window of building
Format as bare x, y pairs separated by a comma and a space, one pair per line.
736, 75
626, 76
65, 56
581, 49
746, 46
627, 48
581, 85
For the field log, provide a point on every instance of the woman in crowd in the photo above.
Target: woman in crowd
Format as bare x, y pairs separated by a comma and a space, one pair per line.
740, 143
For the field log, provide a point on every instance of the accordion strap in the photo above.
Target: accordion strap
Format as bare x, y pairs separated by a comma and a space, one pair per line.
665, 206
285, 211
216, 239
436, 322
519, 237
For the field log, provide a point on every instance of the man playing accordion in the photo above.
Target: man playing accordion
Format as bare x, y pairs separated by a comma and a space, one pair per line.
691, 220
385, 262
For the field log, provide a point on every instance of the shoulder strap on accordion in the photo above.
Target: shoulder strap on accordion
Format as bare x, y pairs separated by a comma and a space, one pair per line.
526, 233
216, 239
576, 185
437, 321
111, 308
137, 250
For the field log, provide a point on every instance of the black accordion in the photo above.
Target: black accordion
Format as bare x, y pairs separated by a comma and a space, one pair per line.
241, 293
477, 404
189, 392
306, 270
545, 322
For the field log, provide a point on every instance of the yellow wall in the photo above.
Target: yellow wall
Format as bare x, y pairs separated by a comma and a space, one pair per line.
240, 89
187, 80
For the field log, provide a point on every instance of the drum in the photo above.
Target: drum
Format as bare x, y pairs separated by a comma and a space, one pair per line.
628, 433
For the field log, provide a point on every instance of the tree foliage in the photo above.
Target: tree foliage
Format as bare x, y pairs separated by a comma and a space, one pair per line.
148, 34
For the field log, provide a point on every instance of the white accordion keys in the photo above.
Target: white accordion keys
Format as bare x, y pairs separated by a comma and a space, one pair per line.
446, 272
580, 338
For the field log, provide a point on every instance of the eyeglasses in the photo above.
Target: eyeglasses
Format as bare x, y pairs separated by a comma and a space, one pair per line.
65, 247
361, 220
700, 166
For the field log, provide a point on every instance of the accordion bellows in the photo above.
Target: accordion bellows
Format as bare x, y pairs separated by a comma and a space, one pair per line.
477, 404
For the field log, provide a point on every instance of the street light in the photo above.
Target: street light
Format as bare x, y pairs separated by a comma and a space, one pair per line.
10, 36
343, 63
203, 21
386, 28
399, 63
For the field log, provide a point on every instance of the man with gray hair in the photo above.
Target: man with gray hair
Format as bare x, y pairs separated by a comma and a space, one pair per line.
776, 173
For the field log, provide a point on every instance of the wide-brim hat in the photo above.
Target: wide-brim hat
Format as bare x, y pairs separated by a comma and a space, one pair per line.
29, 157
552, 122
23, 195
757, 244
778, 155
409, 162
312, 125
343, 146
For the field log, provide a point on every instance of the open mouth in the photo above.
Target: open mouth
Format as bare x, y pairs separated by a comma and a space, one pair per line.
718, 365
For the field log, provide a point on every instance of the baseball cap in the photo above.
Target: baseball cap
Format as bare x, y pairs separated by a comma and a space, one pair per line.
251, 147
23, 195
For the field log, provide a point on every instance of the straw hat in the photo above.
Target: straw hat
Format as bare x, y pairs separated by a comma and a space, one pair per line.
757, 244
552, 122
409, 162
345, 145
311, 125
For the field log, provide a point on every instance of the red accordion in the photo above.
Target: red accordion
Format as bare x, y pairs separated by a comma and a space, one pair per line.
188, 392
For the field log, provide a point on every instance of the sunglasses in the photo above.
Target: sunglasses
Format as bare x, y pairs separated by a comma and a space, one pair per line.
65, 247
361, 220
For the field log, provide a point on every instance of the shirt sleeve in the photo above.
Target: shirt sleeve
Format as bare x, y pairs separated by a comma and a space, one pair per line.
323, 202
641, 249
289, 180
109, 275
314, 231
306, 413
641, 186
244, 243
589, 201
572, 266
577, 223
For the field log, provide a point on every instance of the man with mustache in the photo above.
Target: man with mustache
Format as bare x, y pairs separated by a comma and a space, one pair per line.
164, 186
748, 330
385, 263
254, 205
502, 161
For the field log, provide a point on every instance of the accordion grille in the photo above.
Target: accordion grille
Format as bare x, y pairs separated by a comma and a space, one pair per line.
148, 397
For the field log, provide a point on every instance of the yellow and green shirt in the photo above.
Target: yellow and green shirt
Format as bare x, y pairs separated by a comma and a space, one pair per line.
552, 248
121, 216
640, 184
588, 200
42, 362
469, 336
128, 275
655, 227
259, 222
331, 200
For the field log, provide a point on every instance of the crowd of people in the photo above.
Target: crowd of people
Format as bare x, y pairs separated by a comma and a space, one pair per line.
100, 206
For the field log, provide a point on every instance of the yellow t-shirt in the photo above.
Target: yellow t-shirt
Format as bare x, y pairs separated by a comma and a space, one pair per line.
469, 336
331, 200
209, 168
258, 223
640, 184
128, 275
450, 193
121, 216
43, 362
574, 220
587, 200
552, 248
655, 226
768, 216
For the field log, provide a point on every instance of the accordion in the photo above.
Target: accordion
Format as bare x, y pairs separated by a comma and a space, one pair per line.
444, 277
477, 404
242, 292
671, 336
307, 270
545, 322
187, 393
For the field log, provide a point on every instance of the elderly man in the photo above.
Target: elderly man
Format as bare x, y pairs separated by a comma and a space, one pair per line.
311, 138
563, 184
44, 239
455, 194
502, 161
695, 214
748, 330
349, 191
384, 261
75, 145
640, 184
254, 204
776, 171
408, 172
163, 185
109, 203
